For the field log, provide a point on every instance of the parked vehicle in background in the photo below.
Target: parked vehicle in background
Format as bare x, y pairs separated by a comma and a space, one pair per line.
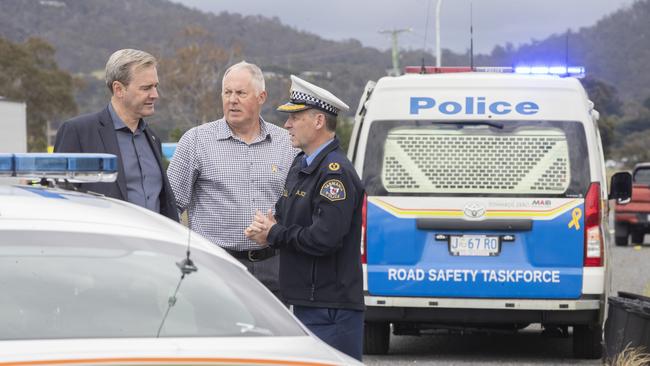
632, 219
91, 280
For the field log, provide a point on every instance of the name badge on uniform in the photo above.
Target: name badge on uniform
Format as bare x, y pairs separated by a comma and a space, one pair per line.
333, 190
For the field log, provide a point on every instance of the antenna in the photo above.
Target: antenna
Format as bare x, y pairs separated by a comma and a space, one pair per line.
394, 33
471, 36
438, 55
187, 265
426, 31
566, 50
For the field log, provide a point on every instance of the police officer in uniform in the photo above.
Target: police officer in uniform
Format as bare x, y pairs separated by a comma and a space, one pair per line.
317, 224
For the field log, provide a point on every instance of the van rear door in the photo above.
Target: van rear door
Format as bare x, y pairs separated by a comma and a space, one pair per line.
481, 209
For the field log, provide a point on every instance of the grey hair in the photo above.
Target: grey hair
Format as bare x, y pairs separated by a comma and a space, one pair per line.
121, 63
256, 73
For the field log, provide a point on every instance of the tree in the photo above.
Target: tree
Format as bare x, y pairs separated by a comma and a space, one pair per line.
634, 149
604, 96
344, 128
608, 104
29, 73
191, 81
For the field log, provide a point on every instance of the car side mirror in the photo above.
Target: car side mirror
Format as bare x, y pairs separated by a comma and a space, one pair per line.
621, 187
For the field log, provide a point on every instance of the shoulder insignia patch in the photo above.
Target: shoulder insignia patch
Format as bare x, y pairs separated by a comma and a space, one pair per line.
333, 189
334, 166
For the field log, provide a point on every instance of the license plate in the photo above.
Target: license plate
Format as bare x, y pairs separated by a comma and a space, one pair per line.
474, 245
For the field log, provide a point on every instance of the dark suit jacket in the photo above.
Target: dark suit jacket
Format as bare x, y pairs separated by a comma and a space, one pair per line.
95, 133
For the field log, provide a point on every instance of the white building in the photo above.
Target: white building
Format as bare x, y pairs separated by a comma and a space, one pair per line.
13, 119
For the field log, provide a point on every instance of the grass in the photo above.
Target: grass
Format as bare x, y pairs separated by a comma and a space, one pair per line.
631, 356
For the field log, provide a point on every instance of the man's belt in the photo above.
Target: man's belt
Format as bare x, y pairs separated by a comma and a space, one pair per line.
253, 255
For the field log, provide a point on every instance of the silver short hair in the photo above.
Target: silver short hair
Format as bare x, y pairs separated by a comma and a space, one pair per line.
122, 62
254, 70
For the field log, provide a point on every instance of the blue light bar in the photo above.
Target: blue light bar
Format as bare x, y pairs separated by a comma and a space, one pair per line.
72, 167
574, 71
6, 163
168, 149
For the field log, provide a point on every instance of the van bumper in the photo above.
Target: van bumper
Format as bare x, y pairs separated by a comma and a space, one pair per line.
482, 311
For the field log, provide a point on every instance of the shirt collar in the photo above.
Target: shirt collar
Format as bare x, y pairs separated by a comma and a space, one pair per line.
224, 132
119, 124
313, 155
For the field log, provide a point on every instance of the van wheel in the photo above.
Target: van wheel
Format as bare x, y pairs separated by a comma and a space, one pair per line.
637, 237
376, 338
621, 241
587, 341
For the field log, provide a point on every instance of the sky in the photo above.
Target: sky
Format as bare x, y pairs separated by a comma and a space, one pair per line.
495, 22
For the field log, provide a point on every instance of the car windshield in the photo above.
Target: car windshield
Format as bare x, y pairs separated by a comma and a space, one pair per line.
489, 158
83, 285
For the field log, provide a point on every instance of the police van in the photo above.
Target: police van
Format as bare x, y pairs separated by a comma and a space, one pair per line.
487, 204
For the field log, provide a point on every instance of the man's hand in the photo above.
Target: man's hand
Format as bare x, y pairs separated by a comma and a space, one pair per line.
258, 230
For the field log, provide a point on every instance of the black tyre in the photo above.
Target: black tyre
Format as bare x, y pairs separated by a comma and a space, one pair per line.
637, 237
621, 233
587, 341
376, 338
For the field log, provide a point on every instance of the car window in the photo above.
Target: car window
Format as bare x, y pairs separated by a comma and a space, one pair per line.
495, 158
642, 176
82, 285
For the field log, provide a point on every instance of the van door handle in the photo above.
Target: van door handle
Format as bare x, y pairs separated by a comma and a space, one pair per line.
456, 224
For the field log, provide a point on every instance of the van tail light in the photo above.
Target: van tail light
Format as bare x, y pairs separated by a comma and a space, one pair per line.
593, 236
364, 221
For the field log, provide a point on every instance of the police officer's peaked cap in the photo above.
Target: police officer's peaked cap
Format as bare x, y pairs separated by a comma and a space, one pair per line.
305, 95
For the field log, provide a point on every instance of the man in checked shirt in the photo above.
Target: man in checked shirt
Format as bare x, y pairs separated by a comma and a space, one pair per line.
225, 170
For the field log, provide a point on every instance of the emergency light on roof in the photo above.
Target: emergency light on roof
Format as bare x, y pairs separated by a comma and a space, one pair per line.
574, 71
71, 167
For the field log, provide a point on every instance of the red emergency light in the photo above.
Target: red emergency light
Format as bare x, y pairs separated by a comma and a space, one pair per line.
436, 69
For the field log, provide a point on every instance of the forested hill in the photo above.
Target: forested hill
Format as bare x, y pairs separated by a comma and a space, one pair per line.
84, 33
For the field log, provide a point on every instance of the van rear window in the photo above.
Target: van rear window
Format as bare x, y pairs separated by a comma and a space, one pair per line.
495, 158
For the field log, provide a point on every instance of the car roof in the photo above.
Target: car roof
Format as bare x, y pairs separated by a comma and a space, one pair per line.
37, 208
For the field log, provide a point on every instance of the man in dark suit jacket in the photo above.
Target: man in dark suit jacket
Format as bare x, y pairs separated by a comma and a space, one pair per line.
120, 129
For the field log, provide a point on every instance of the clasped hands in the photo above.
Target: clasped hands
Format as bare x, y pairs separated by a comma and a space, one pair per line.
258, 230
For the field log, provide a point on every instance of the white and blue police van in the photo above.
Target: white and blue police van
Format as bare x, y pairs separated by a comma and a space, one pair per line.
487, 204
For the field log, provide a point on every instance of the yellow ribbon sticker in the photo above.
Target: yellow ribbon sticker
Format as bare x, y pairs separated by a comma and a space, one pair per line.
576, 214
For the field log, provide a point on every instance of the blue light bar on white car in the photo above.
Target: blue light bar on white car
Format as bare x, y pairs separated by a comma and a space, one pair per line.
71, 167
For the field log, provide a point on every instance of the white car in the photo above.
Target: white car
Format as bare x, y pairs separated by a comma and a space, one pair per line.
86, 279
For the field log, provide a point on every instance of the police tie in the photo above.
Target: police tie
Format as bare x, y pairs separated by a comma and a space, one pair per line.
303, 162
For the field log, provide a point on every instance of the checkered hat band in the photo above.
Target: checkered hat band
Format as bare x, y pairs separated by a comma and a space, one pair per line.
302, 98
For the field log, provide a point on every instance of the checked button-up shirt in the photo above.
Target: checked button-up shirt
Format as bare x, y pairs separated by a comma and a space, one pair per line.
222, 181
